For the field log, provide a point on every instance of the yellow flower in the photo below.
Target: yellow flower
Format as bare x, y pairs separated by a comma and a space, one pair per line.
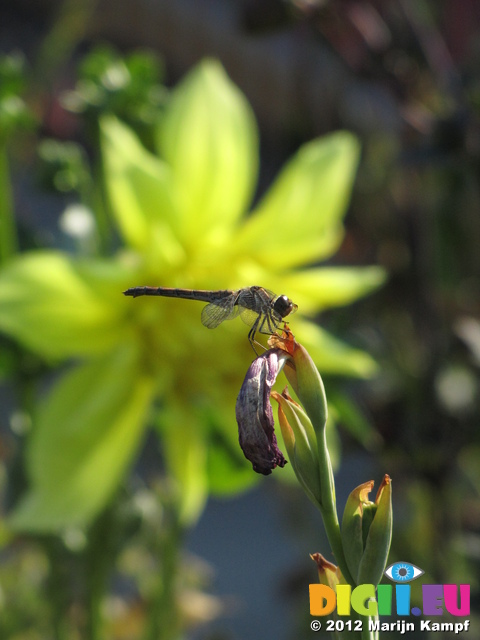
181, 214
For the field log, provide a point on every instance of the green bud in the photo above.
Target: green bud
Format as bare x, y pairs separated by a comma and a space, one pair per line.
367, 532
328, 573
308, 385
304, 377
301, 443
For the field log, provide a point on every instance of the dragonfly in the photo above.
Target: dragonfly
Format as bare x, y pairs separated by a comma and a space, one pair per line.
259, 308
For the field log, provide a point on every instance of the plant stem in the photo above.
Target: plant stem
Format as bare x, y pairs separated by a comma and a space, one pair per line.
99, 560
366, 633
164, 618
57, 587
8, 234
330, 521
98, 198
329, 506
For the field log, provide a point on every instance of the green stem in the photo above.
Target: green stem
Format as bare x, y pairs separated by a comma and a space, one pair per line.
366, 633
8, 233
100, 557
330, 521
98, 198
57, 588
329, 506
164, 621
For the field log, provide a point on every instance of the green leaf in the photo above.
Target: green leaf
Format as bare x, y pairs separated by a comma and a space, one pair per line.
299, 219
209, 138
141, 193
325, 287
85, 435
330, 354
50, 308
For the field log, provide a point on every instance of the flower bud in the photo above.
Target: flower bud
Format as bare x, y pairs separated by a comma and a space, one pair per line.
301, 443
305, 380
367, 532
328, 573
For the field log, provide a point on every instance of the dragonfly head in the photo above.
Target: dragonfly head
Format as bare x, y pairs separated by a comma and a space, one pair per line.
283, 306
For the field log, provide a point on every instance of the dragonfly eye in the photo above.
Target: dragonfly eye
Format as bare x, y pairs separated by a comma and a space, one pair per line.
284, 306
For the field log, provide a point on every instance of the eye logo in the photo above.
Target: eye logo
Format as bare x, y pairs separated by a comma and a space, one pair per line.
403, 572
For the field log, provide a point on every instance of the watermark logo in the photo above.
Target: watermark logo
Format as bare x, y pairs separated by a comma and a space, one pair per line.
403, 572
390, 599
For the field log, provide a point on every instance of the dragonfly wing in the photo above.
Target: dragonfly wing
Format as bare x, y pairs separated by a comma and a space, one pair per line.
248, 315
214, 314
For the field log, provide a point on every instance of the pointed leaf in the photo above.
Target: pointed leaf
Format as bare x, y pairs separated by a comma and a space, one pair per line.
299, 219
85, 435
209, 138
48, 306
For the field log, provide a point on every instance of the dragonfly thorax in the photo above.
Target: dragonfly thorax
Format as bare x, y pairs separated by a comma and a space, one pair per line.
283, 306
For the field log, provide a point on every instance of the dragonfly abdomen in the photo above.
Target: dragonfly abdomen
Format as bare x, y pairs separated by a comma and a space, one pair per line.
186, 294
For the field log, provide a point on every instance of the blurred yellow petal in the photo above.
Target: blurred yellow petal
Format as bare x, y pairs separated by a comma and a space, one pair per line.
324, 287
330, 354
185, 451
47, 305
299, 219
85, 435
141, 193
209, 139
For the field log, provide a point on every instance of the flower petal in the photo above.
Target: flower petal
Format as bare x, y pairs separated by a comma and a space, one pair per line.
49, 306
185, 452
330, 354
255, 415
209, 138
86, 434
321, 288
299, 219
141, 193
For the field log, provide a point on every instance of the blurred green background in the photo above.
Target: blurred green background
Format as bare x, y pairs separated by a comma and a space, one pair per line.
146, 143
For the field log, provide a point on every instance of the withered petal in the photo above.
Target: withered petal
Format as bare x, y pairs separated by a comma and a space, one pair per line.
254, 414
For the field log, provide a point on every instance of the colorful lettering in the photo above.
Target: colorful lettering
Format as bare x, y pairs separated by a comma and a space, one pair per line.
322, 600
402, 597
344, 592
384, 599
363, 600
451, 600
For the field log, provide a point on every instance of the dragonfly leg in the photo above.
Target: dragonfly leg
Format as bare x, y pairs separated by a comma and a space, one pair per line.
259, 327
271, 323
252, 332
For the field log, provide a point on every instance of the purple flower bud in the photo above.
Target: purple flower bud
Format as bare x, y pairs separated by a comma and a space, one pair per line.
255, 416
